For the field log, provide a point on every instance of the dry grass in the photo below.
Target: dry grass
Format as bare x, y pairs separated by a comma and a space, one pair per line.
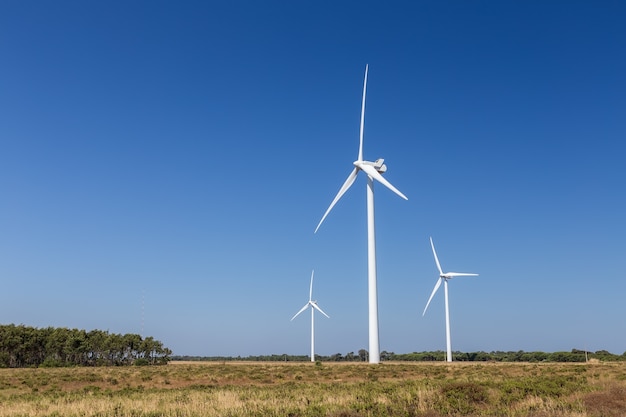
329, 390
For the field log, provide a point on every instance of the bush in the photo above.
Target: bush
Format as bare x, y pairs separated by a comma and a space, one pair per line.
51, 363
462, 397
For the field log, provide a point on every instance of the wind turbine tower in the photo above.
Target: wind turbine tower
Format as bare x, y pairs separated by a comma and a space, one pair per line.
313, 305
374, 171
445, 277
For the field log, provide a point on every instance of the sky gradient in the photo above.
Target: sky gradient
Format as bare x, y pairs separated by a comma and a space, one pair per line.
163, 167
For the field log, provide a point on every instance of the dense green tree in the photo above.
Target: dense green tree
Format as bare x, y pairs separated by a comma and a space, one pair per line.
22, 346
386, 356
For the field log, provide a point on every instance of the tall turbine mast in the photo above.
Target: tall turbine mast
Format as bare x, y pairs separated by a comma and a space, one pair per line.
444, 277
374, 171
313, 305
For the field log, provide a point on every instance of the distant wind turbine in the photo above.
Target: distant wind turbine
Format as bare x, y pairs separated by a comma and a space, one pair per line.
313, 305
445, 277
373, 170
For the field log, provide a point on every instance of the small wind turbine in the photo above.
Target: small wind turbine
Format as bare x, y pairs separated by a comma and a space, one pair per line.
314, 306
373, 171
445, 277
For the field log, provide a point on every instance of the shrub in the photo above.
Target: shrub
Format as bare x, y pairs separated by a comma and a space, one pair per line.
461, 397
610, 403
51, 363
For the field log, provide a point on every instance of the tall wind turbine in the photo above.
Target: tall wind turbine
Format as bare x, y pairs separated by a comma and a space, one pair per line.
373, 170
314, 306
445, 277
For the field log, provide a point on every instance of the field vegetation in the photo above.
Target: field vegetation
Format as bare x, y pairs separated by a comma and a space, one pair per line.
232, 389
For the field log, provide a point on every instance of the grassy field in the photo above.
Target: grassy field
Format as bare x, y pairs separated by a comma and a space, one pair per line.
322, 389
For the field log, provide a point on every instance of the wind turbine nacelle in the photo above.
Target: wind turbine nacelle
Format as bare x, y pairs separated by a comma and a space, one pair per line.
380, 166
377, 164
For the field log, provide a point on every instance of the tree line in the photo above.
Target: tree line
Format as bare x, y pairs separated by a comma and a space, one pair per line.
25, 346
575, 355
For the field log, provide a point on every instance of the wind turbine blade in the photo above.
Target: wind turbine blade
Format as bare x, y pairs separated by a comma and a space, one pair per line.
315, 306
349, 181
437, 285
436, 259
311, 288
371, 171
460, 274
360, 158
301, 310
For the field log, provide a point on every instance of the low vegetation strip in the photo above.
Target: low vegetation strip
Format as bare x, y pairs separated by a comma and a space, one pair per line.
321, 389
575, 355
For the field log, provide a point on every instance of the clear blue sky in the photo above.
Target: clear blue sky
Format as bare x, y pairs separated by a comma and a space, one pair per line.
178, 156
